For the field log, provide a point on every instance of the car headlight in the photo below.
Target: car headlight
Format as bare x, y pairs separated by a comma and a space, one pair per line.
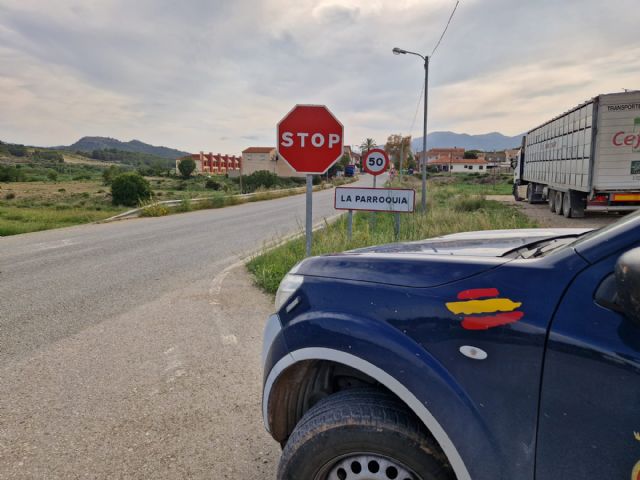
290, 283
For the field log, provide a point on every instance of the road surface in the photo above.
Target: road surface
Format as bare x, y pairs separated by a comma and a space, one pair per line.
128, 350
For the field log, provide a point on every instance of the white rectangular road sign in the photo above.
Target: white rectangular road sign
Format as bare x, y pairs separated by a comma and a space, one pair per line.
375, 199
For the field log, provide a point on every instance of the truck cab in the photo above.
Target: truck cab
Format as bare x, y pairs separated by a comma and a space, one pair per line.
482, 355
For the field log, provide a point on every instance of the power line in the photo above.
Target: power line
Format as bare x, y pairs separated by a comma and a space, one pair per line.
445, 28
415, 115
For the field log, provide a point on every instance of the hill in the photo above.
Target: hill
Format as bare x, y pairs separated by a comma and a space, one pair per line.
89, 144
486, 142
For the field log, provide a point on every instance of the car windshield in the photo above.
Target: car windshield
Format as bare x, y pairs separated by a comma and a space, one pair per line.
601, 232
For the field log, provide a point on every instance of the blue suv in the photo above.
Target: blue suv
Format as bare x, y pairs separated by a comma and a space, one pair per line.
491, 355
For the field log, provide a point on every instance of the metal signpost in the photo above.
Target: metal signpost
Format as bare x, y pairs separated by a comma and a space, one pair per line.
376, 162
310, 141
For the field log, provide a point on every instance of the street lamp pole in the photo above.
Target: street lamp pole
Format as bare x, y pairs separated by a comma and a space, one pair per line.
400, 51
424, 136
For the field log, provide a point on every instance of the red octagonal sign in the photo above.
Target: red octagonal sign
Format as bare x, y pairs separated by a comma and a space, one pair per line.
310, 139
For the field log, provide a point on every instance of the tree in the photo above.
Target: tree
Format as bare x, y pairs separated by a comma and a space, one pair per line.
130, 189
17, 150
110, 173
396, 144
471, 154
367, 145
186, 167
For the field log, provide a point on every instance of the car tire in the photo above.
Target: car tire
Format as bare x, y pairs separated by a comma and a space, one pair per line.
558, 202
361, 433
552, 200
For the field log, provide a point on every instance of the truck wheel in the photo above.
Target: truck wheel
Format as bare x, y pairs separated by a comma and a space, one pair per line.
361, 434
558, 202
552, 200
566, 205
516, 194
530, 192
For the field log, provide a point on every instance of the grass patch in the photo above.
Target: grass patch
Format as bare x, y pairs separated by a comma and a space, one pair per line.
16, 220
450, 209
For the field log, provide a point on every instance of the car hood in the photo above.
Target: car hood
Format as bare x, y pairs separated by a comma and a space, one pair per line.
489, 243
428, 263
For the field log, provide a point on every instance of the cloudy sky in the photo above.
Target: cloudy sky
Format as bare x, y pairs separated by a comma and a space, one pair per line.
217, 75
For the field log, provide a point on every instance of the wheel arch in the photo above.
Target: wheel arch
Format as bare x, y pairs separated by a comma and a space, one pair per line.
299, 379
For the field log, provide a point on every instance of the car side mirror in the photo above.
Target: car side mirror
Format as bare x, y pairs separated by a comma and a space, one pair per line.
627, 275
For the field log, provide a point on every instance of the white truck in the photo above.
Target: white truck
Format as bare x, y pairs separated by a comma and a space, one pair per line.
588, 158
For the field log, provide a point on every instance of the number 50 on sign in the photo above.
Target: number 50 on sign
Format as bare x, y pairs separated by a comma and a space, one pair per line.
376, 161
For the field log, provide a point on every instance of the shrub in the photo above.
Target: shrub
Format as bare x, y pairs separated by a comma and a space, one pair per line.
52, 175
11, 174
212, 184
154, 210
110, 173
261, 178
62, 190
130, 189
10, 196
186, 167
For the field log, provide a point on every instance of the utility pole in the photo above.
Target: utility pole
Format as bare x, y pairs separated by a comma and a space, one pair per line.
424, 135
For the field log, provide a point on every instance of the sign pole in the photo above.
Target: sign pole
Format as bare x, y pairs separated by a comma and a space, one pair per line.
309, 226
397, 225
373, 218
349, 224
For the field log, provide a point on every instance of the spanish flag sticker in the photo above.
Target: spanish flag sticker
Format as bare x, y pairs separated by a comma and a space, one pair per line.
475, 304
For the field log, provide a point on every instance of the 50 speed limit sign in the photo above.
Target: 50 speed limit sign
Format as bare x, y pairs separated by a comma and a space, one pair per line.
376, 161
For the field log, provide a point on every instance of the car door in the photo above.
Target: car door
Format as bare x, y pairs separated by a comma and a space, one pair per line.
589, 420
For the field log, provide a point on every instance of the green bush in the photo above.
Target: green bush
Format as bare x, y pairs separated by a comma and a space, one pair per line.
110, 173
11, 174
186, 167
212, 184
261, 178
130, 189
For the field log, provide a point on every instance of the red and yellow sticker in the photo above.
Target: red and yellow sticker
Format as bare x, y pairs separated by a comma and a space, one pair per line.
635, 474
478, 302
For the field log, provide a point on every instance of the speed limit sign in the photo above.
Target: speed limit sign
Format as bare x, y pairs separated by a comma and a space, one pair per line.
376, 161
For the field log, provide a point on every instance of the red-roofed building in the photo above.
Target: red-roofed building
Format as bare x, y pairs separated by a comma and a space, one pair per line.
208, 163
460, 165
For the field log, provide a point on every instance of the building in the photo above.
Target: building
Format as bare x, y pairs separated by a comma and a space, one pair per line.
441, 154
210, 164
496, 159
461, 165
266, 158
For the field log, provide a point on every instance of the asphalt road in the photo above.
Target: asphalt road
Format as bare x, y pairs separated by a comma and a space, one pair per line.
128, 350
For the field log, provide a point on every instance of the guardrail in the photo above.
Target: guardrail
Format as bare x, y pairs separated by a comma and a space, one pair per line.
174, 203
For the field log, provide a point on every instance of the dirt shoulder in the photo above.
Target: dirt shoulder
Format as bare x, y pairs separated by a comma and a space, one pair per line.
541, 214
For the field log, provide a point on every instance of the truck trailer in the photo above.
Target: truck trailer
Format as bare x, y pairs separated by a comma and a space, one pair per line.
588, 158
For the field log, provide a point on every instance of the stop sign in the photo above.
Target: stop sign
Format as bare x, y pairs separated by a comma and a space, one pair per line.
310, 139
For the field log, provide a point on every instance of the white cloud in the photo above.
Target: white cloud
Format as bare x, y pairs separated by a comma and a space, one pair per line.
218, 75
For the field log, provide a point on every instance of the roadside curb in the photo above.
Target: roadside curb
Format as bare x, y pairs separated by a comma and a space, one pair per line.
216, 282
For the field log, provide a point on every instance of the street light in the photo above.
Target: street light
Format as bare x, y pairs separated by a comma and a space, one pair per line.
400, 51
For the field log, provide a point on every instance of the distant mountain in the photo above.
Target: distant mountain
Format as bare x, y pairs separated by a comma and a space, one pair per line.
89, 144
486, 142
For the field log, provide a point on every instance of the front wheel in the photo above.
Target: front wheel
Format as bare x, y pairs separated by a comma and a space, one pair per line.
361, 434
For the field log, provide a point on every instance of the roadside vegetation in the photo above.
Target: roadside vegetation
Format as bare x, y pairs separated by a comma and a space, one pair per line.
42, 189
455, 205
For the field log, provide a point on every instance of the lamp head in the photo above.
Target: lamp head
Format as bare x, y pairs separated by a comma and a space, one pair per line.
398, 51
